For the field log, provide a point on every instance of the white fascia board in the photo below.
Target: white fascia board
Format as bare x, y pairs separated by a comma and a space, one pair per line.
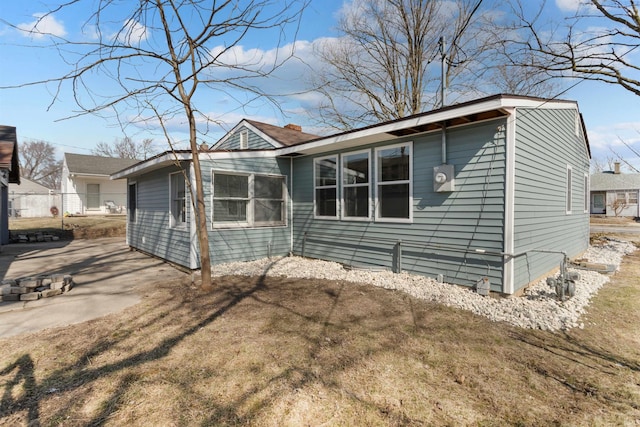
245, 123
381, 133
170, 158
220, 155
155, 163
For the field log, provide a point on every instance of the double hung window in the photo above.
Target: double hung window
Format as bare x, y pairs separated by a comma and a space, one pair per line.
393, 190
355, 185
326, 186
249, 200
178, 200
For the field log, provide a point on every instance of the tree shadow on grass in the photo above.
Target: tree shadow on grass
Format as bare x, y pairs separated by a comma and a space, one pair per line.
84, 373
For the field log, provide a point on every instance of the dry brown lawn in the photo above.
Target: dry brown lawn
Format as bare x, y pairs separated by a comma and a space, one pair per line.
282, 352
76, 227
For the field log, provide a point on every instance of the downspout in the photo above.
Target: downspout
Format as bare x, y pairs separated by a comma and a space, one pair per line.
193, 233
508, 280
444, 142
291, 205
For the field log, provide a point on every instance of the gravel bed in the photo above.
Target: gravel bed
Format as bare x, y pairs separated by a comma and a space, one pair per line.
537, 308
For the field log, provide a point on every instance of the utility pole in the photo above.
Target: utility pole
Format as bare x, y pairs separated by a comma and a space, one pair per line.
443, 62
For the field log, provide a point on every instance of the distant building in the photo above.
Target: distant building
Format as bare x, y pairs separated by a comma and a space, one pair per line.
86, 188
31, 200
615, 194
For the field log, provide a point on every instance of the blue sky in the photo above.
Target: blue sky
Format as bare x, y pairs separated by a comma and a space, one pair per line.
610, 113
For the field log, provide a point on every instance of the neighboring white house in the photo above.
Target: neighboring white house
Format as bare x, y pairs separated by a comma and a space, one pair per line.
615, 191
86, 188
30, 199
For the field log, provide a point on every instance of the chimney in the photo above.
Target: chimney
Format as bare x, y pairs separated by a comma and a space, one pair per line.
293, 127
616, 166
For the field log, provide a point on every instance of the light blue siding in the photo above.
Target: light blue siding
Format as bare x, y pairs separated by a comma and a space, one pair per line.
244, 244
151, 232
255, 141
546, 142
447, 228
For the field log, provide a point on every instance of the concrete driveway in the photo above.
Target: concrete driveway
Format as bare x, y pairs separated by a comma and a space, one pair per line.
105, 275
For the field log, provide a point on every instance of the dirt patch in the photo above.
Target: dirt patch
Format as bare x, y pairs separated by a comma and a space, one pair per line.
86, 227
277, 351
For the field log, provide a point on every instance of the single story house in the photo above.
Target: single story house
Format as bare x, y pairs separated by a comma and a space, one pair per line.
615, 194
491, 191
9, 174
31, 200
86, 188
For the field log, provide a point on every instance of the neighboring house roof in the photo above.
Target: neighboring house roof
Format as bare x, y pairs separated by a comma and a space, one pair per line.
82, 164
9, 153
487, 108
615, 181
28, 186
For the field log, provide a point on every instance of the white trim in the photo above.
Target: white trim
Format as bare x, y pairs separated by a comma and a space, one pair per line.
380, 133
290, 196
343, 214
193, 224
569, 190
508, 284
316, 160
586, 195
377, 181
177, 225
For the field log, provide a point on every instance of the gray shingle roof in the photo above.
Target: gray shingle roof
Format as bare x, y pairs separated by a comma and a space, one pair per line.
612, 181
96, 165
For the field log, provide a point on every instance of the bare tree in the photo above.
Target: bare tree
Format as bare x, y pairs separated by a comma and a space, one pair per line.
38, 163
387, 62
595, 44
154, 67
126, 148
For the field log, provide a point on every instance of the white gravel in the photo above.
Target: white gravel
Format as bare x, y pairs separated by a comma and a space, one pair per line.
538, 308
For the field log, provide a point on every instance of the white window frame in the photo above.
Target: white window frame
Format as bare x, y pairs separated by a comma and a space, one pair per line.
250, 220
132, 218
587, 197
569, 190
244, 139
379, 183
173, 198
629, 194
344, 186
316, 161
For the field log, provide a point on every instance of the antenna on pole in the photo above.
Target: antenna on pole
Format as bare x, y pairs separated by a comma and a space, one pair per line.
443, 76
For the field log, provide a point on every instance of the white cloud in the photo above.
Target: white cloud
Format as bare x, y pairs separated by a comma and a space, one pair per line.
44, 25
568, 5
132, 33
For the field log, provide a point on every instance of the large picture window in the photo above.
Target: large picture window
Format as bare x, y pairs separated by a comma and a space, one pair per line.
355, 185
178, 200
249, 200
326, 187
393, 188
